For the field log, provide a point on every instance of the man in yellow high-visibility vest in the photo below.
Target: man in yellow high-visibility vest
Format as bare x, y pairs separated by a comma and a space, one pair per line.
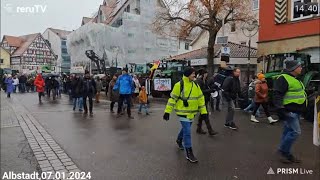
186, 99
290, 100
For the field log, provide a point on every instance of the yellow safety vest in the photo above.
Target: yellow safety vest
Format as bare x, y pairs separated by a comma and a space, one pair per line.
196, 99
296, 91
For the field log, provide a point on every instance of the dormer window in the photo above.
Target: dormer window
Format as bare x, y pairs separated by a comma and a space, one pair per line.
127, 9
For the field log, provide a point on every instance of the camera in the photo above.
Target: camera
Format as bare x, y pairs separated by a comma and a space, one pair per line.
185, 103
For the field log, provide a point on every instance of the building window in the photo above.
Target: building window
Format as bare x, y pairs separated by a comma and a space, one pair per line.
48, 53
131, 35
127, 9
295, 16
233, 27
63, 42
39, 45
38, 52
243, 43
186, 46
255, 4
1, 61
64, 51
30, 51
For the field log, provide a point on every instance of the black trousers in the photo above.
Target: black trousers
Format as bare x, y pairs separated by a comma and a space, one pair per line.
122, 98
85, 103
265, 107
209, 127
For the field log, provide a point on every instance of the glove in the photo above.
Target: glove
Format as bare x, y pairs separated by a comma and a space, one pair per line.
204, 116
166, 116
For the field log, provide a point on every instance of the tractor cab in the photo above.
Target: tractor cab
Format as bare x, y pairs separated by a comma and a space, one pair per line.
310, 76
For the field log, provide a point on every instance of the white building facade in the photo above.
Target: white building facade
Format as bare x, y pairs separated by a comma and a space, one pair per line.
58, 42
122, 30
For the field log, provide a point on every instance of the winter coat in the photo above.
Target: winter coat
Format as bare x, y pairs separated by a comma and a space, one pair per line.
231, 88
206, 88
124, 84
137, 85
10, 86
16, 81
89, 87
39, 83
113, 95
23, 79
261, 92
99, 85
143, 98
76, 88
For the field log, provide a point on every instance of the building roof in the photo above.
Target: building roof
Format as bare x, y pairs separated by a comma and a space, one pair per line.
85, 20
13, 40
61, 33
236, 51
27, 40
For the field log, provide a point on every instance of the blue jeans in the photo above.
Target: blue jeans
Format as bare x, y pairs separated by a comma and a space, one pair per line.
251, 107
145, 106
185, 132
80, 102
291, 132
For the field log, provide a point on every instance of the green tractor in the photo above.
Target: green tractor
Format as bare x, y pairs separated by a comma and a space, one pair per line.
310, 76
167, 74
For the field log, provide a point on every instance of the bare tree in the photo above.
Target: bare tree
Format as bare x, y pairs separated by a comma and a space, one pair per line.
180, 17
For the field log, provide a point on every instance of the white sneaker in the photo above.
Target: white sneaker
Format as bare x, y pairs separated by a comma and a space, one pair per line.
272, 120
253, 119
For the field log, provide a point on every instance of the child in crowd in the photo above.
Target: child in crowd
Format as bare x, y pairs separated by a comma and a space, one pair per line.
143, 99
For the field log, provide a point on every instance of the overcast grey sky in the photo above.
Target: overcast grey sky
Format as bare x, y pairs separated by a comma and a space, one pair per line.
18, 19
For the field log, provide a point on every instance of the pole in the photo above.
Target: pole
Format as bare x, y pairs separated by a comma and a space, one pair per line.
248, 64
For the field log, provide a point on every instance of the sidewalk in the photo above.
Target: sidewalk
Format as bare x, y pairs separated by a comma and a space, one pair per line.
16, 154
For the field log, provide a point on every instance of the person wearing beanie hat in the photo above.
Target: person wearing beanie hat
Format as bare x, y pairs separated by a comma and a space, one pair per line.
290, 100
187, 100
188, 71
261, 98
291, 65
207, 89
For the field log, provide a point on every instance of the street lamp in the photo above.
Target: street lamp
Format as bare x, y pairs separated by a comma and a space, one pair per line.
249, 29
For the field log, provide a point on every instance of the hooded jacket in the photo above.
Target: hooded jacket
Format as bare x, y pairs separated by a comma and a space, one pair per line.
124, 84
39, 83
231, 88
261, 90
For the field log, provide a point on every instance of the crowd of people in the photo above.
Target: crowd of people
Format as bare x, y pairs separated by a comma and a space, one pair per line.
190, 96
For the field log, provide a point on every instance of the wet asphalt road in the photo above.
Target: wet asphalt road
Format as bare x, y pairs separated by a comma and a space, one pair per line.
144, 148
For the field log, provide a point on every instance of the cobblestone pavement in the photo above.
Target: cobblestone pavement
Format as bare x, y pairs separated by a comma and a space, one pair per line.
49, 155
144, 148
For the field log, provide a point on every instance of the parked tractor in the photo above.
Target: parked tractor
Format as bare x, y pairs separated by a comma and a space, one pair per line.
310, 76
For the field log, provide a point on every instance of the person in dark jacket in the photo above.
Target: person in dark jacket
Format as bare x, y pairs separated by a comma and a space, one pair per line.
206, 90
290, 101
113, 95
231, 90
76, 86
89, 91
22, 83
